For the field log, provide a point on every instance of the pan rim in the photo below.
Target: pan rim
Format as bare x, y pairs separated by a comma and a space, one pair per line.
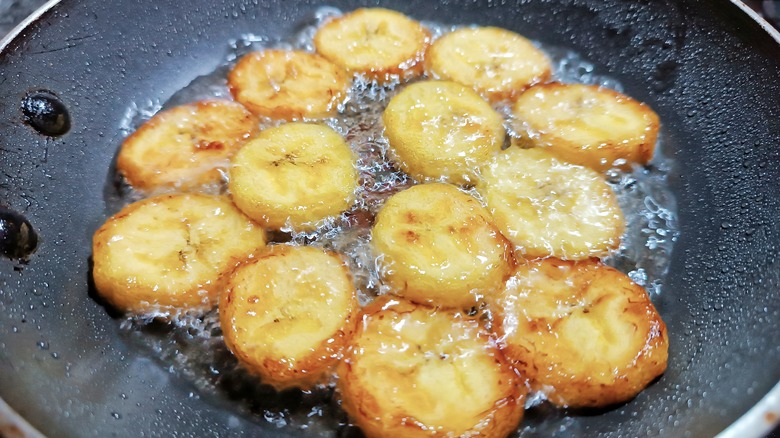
10, 36
773, 32
760, 420
11, 421
756, 422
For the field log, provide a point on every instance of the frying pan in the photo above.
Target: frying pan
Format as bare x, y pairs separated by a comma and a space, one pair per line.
707, 67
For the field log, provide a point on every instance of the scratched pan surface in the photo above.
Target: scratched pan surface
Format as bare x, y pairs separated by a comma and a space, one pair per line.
707, 68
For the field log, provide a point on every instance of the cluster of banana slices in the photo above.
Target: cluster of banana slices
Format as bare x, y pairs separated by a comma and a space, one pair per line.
492, 260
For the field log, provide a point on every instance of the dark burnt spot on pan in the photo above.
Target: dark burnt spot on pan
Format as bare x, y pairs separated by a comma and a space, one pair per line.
18, 239
665, 75
45, 112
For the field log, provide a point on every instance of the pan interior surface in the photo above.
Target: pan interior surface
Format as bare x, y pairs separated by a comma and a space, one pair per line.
704, 66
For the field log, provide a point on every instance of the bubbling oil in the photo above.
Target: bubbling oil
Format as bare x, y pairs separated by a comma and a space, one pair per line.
191, 346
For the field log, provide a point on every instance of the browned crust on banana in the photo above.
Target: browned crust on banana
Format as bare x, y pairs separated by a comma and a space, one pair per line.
505, 92
139, 297
558, 367
394, 233
364, 407
291, 102
600, 156
207, 150
410, 67
314, 368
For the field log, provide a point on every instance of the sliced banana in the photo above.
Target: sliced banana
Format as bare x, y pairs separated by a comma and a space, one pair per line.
166, 253
438, 245
499, 64
378, 43
440, 130
582, 332
294, 175
287, 314
288, 85
415, 371
185, 147
548, 207
588, 125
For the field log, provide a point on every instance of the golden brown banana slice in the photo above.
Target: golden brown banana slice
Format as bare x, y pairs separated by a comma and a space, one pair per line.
415, 371
588, 125
378, 43
499, 64
548, 207
287, 314
288, 85
185, 147
438, 245
582, 332
442, 130
294, 175
166, 253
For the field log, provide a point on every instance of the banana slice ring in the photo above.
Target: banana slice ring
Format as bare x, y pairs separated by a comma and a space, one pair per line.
499, 64
582, 332
287, 314
440, 130
547, 207
414, 371
294, 175
288, 85
438, 245
167, 253
185, 147
588, 125
378, 43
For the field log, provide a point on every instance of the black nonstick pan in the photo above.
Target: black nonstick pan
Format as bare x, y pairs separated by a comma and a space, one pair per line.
709, 69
